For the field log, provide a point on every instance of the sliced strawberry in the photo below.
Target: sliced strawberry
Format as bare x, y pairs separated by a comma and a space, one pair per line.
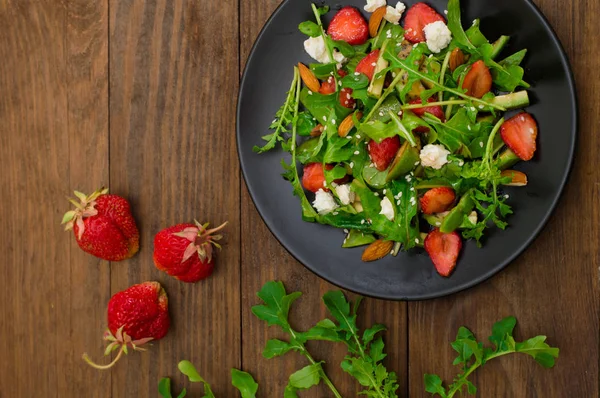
437, 200
443, 249
367, 64
520, 134
346, 99
436, 111
313, 178
342, 73
417, 17
478, 80
384, 152
350, 26
328, 86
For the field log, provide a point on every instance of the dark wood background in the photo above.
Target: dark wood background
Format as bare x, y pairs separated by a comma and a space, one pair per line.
140, 96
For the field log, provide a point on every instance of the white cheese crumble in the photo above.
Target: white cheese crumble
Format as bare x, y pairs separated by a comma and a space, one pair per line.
387, 209
435, 156
473, 217
344, 193
316, 48
372, 5
438, 36
393, 15
324, 202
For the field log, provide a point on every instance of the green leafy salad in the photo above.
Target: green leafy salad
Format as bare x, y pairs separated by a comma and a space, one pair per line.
399, 132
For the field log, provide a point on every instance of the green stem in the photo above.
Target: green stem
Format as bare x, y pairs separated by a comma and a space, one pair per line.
457, 385
322, 373
383, 97
421, 76
440, 103
443, 73
327, 42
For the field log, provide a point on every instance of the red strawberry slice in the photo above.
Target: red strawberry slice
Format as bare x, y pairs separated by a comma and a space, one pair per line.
367, 64
346, 99
313, 178
350, 26
436, 111
328, 86
520, 134
478, 80
417, 17
384, 152
342, 73
437, 200
443, 249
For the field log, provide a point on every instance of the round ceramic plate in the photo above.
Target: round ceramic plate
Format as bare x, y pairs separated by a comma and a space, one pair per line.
409, 276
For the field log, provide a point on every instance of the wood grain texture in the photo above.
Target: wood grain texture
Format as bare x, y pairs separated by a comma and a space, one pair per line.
264, 259
173, 68
553, 287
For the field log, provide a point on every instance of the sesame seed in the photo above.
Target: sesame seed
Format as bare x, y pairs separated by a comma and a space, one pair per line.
324, 183
481, 144
346, 102
412, 189
417, 163
437, 223
351, 165
417, 240
325, 118
400, 113
473, 109
357, 152
392, 252
469, 127
399, 194
274, 121
340, 83
358, 136
349, 137
384, 191
506, 196
310, 92
481, 106
348, 96
393, 74
345, 231
362, 221
356, 73
446, 12
381, 113
374, 64
376, 194
335, 213
398, 202
333, 121
531, 131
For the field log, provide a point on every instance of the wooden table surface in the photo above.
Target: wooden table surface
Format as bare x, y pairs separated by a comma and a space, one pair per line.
141, 96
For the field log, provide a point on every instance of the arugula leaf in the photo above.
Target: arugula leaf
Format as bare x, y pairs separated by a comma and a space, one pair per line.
320, 105
274, 310
364, 357
355, 82
357, 238
244, 382
164, 388
188, 369
403, 196
283, 118
472, 355
305, 124
514, 59
310, 28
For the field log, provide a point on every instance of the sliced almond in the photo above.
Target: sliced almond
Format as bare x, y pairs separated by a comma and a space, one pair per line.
348, 124
309, 78
378, 249
375, 20
317, 131
457, 58
519, 179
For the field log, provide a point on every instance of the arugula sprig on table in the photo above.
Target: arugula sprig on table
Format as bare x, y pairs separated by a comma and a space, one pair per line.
243, 381
472, 354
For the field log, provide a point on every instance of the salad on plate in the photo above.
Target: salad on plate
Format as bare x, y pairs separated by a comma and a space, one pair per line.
405, 128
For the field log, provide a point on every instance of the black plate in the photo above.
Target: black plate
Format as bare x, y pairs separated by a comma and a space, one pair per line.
410, 276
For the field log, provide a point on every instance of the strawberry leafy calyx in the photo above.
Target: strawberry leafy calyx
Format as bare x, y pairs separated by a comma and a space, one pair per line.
201, 240
120, 341
83, 209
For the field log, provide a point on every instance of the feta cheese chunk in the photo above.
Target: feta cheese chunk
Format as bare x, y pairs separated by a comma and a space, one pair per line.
324, 202
438, 36
344, 193
435, 156
372, 5
387, 209
316, 48
393, 15
473, 217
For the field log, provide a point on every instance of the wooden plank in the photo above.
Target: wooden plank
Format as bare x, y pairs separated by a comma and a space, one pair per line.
173, 69
54, 137
264, 259
553, 288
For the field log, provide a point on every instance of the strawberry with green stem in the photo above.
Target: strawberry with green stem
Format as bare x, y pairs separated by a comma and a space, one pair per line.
136, 316
103, 225
185, 251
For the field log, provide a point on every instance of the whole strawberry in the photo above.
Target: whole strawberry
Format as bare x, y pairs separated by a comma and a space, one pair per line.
185, 251
136, 316
103, 225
